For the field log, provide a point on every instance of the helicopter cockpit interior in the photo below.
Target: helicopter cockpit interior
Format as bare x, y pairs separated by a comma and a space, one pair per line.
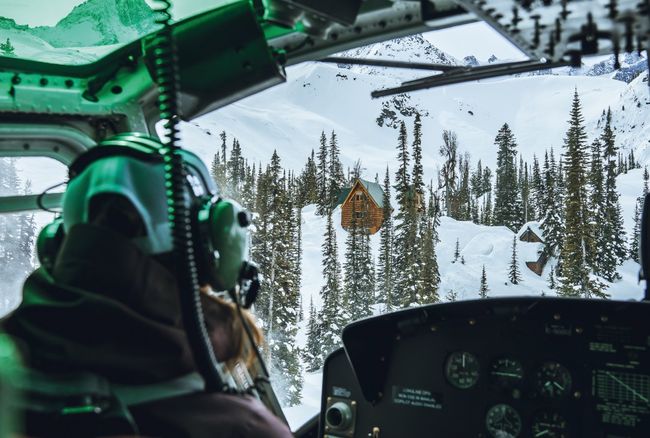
533, 366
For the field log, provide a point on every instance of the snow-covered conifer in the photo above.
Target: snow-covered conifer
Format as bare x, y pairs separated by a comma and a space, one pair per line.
514, 275
483, 289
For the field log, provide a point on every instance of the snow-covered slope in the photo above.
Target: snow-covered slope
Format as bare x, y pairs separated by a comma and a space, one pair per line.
96, 24
291, 116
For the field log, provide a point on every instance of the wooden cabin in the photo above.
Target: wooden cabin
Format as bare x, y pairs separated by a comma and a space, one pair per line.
364, 200
532, 233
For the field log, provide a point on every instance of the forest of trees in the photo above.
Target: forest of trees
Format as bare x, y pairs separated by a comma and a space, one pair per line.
17, 236
571, 192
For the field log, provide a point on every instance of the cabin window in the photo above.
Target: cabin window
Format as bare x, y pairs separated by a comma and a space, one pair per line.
358, 196
359, 214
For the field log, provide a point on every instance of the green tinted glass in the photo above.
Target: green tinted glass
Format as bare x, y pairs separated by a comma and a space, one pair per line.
75, 32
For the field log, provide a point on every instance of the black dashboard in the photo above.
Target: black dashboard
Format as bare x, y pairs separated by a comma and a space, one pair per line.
500, 368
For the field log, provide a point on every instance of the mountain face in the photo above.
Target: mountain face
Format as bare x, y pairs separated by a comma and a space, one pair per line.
413, 48
99, 23
92, 23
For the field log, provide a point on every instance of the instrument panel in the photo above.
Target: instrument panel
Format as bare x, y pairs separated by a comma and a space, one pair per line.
493, 368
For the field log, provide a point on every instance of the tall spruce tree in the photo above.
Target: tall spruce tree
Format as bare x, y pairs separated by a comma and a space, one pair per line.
552, 222
514, 275
575, 279
323, 176
311, 353
429, 276
405, 235
283, 324
331, 295
483, 289
385, 269
308, 183
636, 231
337, 178
601, 262
613, 230
507, 204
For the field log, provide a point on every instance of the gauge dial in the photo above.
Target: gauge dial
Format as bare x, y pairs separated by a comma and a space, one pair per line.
502, 421
462, 369
549, 425
553, 380
507, 372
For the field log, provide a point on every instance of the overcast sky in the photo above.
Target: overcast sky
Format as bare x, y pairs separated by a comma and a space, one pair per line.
476, 39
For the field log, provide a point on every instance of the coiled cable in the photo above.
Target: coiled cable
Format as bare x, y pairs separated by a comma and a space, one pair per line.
167, 77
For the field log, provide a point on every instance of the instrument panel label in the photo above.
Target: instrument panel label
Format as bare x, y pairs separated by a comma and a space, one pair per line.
416, 397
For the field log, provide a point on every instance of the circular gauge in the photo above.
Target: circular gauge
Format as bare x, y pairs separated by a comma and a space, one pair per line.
553, 380
506, 372
550, 425
462, 369
502, 421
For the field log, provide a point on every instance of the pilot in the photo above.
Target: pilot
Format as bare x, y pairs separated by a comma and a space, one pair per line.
105, 304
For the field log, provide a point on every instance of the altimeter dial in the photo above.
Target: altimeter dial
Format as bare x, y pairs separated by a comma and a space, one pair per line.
462, 369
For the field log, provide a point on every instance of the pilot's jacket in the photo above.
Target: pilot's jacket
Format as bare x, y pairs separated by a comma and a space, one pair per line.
124, 324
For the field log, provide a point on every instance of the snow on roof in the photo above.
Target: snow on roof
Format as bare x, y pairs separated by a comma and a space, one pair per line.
374, 189
534, 227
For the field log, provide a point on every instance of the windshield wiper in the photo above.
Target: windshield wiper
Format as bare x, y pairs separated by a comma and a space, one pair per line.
390, 64
465, 74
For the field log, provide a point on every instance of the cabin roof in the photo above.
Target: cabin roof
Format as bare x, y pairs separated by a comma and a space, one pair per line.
374, 190
534, 227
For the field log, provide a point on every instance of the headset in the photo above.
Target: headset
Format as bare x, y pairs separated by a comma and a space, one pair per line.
132, 165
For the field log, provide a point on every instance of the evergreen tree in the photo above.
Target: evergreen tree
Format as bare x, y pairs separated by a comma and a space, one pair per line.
483, 289
429, 277
487, 210
476, 180
311, 353
636, 232
405, 228
234, 171
451, 296
552, 223
487, 180
7, 49
337, 177
418, 172
507, 205
537, 185
281, 338
613, 230
385, 272
513, 271
331, 294
601, 262
551, 279
575, 280
456, 251
308, 183
323, 176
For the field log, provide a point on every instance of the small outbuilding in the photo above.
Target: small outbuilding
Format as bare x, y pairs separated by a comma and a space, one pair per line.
531, 232
365, 202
